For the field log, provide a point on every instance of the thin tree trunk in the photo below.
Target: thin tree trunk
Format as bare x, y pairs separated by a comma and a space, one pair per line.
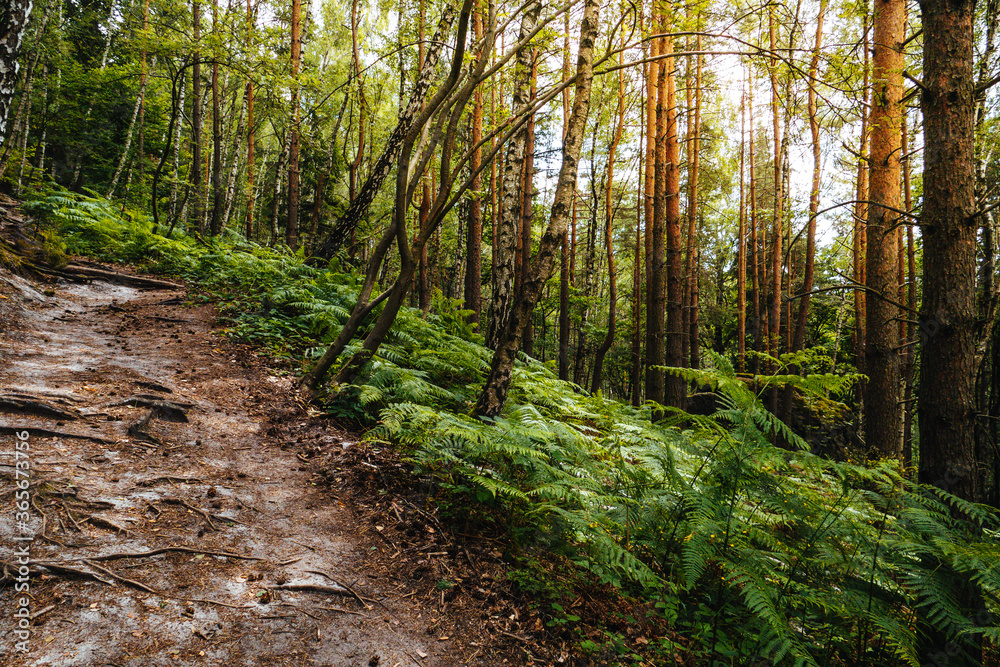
196, 178
798, 341
251, 138
527, 201
741, 252
511, 204
909, 354
472, 292
609, 213
860, 242
234, 162
636, 369
694, 151
495, 391
777, 218
292, 224
126, 150
218, 195
755, 246
356, 212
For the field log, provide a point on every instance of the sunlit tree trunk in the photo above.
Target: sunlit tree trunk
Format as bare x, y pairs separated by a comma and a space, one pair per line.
694, 156
882, 415
859, 240
741, 251
777, 218
656, 287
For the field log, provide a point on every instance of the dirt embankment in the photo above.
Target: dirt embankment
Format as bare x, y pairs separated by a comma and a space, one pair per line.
172, 521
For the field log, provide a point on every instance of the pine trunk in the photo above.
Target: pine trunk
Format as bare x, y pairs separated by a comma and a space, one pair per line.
882, 415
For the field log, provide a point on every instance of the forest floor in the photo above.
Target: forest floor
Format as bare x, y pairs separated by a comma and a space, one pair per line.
188, 509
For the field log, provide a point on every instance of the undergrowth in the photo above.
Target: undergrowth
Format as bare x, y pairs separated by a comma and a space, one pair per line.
749, 553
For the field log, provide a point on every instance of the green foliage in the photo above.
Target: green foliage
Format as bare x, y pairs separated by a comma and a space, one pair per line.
751, 552
758, 552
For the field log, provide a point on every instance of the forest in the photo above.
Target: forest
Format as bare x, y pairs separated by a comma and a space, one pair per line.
693, 304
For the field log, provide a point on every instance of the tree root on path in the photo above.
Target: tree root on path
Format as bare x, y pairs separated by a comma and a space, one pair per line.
46, 433
33, 405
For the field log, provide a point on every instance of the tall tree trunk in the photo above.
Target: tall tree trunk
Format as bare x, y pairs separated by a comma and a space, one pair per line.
292, 225
218, 194
636, 369
756, 284
947, 320
251, 139
510, 204
495, 391
694, 151
798, 341
882, 415
675, 389
741, 251
234, 162
946, 403
136, 111
860, 239
609, 215
527, 205
176, 101
196, 179
656, 286
472, 292
909, 351
777, 218
590, 257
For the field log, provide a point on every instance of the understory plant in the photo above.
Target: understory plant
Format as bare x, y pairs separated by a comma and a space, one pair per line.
742, 541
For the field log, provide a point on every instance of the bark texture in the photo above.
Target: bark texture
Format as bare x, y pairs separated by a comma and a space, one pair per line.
13, 23
509, 225
947, 320
882, 423
497, 385
344, 225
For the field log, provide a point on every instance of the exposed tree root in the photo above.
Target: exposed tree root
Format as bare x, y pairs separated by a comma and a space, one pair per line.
34, 406
46, 433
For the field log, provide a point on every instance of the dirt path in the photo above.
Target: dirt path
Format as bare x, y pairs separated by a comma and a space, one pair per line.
148, 431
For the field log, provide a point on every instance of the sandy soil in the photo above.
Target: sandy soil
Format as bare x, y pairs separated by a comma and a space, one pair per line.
149, 431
